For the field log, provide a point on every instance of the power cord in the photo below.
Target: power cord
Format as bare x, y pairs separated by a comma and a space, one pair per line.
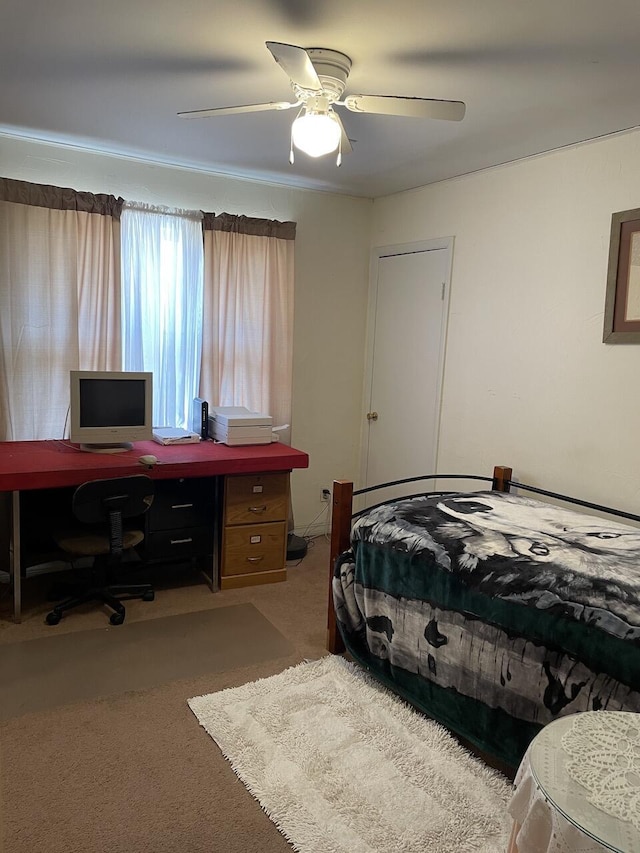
310, 540
66, 418
325, 535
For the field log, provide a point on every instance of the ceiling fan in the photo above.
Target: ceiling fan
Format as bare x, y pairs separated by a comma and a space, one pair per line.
318, 77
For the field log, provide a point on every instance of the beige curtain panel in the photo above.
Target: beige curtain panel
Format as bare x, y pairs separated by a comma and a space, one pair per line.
59, 300
247, 341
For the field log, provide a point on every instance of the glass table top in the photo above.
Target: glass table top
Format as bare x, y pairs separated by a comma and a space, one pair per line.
553, 770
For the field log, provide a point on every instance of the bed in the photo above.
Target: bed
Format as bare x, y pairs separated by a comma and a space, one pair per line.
492, 612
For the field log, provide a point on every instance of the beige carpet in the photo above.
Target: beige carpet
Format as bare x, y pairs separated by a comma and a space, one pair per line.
131, 773
62, 669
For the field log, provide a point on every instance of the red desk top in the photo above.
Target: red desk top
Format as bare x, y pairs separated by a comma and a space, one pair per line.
55, 463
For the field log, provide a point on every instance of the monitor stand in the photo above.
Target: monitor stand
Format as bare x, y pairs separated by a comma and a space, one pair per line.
107, 448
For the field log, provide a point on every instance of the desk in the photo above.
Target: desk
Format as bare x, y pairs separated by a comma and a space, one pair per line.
577, 789
27, 465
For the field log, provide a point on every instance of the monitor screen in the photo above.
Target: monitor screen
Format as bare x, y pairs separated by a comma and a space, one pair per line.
110, 409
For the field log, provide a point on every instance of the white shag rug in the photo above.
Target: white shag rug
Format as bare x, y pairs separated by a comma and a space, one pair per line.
341, 765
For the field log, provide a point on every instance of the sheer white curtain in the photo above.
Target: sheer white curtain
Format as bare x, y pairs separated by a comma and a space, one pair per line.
162, 293
59, 300
248, 320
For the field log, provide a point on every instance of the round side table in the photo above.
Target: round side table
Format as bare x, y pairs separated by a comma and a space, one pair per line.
577, 789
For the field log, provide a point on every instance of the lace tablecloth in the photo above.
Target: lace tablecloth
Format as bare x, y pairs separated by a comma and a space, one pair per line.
577, 789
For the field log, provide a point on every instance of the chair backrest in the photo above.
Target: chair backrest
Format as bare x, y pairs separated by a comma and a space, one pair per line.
97, 500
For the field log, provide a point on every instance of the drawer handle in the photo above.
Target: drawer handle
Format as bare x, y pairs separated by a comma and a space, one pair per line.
180, 541
255, 559
181, 506
258, 509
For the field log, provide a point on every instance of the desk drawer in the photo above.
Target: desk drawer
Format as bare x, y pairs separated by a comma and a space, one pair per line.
256, 498
182, 503
254, 548
181, 543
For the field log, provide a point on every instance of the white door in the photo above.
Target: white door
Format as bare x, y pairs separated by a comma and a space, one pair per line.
408, 323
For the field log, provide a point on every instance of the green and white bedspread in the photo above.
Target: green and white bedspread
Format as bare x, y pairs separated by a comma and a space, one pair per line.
494, 613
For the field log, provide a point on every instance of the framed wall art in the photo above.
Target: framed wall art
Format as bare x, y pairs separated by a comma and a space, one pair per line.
622, 303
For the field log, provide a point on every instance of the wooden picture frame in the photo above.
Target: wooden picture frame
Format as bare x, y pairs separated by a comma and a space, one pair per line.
622, 303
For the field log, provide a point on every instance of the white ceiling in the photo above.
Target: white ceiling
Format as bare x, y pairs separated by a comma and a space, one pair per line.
534, 74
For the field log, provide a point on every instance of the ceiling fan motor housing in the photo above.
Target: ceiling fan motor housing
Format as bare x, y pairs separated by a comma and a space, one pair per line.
332, 67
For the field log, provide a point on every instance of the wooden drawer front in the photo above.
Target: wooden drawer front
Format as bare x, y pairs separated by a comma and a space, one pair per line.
182, 503
254, 548
180, 543
256, 498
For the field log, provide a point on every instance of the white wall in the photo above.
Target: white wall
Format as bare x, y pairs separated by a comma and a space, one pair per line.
332, 241
528, 382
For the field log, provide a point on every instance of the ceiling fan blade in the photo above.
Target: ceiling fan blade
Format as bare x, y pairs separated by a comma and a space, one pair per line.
345, 144
248, 108
296, 64
414, 107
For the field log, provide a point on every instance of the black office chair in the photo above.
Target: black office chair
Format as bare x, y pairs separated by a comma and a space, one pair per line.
100, 506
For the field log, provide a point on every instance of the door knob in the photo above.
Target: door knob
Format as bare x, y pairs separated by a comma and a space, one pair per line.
372, 416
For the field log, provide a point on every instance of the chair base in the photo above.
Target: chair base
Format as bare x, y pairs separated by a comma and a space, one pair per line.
111, 595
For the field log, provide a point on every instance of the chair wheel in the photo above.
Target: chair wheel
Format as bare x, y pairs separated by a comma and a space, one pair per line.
116, 618
148, 596
53, 618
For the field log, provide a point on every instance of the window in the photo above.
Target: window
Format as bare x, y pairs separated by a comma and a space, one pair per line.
162, 294
90, 282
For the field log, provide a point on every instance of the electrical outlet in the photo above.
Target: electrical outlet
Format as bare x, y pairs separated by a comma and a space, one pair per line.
325, 495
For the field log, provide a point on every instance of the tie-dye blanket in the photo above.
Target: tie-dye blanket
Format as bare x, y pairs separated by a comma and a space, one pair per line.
494, 613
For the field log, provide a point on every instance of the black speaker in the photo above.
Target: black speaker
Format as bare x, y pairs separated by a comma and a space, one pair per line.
296, 547
200, 422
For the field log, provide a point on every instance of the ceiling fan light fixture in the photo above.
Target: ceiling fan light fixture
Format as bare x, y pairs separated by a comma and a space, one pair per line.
316, 133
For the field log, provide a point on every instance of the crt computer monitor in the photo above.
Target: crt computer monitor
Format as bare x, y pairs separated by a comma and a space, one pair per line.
109, 410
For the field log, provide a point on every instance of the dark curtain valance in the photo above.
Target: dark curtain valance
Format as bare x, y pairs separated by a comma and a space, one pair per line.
59, 198
65, 198
249, 225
